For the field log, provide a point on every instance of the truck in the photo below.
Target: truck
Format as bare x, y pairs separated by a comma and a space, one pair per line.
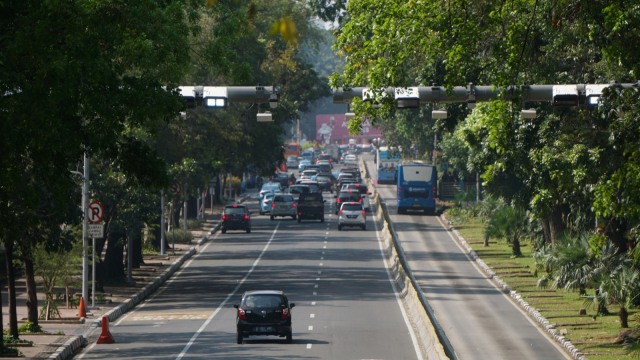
311, 206
334, 151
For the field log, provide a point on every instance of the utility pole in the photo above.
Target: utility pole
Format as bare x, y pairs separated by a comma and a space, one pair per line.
85, 205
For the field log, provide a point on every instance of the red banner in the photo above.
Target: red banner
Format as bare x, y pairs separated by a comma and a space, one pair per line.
332, 128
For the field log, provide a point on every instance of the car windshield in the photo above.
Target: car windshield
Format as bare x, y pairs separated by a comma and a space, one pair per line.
270, 186
240, 210
352, 207
298, 189
283, 198
263, 301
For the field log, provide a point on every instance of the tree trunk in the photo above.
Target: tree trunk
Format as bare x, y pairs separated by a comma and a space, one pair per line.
556, 225
11, 291
154, 232
113, 270
32, 293
624, 317
616, 231
546, 230
1, 322
136, 244
516, 246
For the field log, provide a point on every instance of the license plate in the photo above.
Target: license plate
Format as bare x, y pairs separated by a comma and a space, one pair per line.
263, 329
352, 216
416, 205
284, 207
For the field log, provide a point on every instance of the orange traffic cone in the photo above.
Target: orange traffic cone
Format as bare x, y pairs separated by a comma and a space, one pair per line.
82, 308
105, 336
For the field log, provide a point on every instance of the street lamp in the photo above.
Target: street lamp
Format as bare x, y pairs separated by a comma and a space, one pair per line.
85, 205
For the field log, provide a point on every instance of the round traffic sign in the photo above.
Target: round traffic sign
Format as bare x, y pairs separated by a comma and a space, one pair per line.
95, 212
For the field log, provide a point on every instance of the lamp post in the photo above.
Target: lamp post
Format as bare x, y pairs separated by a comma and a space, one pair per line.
84, 206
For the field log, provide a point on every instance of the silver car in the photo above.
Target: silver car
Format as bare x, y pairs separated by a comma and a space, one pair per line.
284, 205
352, 214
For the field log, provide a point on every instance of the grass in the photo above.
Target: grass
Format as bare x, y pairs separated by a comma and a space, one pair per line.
594, 335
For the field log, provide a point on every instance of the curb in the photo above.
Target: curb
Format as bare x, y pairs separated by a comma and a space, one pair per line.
531, 311
69, 348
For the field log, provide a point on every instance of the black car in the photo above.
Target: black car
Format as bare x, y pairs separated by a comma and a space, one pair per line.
298, 189
235, 217
347, 196
264, 312
324, 182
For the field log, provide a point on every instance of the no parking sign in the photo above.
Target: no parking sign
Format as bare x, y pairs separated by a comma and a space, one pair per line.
95, 212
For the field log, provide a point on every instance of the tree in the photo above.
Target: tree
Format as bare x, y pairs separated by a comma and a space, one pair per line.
548, 166
510, 223
621, 288
125, 53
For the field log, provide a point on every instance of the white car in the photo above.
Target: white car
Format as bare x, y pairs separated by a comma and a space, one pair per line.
352, 214
292, 162
351, 160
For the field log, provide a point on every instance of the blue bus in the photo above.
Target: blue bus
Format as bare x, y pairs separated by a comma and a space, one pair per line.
417, 184
387, 161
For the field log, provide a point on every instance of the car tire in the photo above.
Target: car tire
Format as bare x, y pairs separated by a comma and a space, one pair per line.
322, 219
364, 227
293, 217
339, 227
289, 338
239, 338
299, 220
248, 230
271, 217
224, 231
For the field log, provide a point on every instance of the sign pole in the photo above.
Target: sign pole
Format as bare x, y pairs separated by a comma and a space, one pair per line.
93, 272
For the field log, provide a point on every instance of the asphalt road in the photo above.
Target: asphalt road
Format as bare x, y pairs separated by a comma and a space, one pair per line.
346, 307
480, 321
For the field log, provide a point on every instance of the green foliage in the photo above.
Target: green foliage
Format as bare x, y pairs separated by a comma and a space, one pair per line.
566, 167
510, 223
7, 350
29, 328
56, 268
621, 288
178, 236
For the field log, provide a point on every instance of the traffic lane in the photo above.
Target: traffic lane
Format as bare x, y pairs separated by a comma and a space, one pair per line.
337, 282
359, 313
201, 290
157, 331
476, 316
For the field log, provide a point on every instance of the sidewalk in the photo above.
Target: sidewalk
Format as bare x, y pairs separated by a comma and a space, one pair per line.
63, 338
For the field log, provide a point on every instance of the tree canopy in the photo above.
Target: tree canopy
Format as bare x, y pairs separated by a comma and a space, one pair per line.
571, 167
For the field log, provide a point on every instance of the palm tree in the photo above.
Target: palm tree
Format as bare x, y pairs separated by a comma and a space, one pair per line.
510, 223
622, 288
568, 265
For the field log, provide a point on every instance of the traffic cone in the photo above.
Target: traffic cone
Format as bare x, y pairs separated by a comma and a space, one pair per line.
105, 336
82, 308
